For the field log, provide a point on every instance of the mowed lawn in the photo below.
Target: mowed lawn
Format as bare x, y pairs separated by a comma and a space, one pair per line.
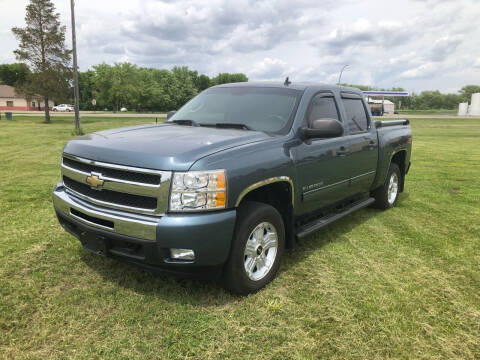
404, 283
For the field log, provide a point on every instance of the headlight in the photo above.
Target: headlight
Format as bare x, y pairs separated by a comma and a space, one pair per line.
198, 190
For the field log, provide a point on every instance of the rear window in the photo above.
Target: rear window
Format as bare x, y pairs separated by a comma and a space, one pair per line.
357, 120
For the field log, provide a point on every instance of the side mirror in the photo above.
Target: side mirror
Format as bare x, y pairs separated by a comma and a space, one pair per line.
324, 128
171, 113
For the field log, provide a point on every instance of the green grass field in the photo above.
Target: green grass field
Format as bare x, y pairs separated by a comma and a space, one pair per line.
404, 283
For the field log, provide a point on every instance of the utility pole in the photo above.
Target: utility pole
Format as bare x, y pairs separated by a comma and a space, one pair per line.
341, 72
75, 70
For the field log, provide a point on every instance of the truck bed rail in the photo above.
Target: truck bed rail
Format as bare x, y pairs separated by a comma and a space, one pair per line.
379, 124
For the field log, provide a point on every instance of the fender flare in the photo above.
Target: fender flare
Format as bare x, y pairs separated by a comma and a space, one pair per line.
261, 183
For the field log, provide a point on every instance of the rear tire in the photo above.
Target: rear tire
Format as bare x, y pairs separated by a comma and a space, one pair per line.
257, 248
386, 196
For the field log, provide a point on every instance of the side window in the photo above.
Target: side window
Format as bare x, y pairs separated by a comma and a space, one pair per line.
322, 107
357, 120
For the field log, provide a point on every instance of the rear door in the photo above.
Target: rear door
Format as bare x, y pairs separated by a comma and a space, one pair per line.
363, 143
322, 172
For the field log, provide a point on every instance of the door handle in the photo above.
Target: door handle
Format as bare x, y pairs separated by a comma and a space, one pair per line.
371, 145
343, 151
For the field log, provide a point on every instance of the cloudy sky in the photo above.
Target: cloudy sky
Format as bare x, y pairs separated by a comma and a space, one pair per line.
416, 44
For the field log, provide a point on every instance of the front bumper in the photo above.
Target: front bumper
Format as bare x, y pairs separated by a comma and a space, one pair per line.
146, 240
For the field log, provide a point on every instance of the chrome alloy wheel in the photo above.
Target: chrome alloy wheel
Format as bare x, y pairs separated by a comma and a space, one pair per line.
392, 188
260, 251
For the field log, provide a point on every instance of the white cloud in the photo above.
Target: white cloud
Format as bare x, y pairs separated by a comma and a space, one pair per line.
444, 47
476, 64
421, 72
269, 69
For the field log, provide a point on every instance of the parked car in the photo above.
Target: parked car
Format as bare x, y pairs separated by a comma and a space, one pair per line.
123, 109
63, 107
231, 180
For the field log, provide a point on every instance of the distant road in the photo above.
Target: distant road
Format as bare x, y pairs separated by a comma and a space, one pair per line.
424, 116
90, 114
162, 115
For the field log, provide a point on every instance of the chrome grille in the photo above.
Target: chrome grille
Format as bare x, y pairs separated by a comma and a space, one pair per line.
126, 188
152, 179
137, 201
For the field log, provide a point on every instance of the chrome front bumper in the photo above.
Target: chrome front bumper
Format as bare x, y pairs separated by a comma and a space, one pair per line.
119, 222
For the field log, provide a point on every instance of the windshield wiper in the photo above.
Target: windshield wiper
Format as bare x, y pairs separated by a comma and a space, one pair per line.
233, 126
185, 122
189, 122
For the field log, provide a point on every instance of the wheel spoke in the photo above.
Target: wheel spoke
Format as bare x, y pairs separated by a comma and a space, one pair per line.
250, 249
258, 234
270, 240
250, 264
261, 261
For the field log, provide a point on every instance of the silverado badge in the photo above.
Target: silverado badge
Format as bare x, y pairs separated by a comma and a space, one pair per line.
95, 181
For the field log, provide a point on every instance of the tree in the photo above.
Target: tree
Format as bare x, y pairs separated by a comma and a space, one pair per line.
361, 87
224, 78
86, 84
467, 91
117, 85
14, 74
42, 46
203, 82
185, 88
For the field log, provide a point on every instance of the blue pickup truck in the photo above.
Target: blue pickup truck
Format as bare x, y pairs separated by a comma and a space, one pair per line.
231, 180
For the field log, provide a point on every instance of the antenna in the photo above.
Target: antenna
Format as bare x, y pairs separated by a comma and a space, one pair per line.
287, 82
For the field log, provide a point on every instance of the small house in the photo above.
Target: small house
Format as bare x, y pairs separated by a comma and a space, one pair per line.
11, 100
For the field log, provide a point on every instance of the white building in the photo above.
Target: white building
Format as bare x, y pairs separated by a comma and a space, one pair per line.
382, 107
475, 104
472, 109
376, 106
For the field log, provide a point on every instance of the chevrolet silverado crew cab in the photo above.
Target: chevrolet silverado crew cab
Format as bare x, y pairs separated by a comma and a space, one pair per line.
231, 180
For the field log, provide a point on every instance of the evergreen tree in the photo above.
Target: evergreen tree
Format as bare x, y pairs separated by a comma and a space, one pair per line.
42, 47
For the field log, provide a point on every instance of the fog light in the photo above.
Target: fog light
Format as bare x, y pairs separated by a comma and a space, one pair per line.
182, 254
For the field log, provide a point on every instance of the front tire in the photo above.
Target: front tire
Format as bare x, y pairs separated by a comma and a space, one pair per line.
386, 196
257, 248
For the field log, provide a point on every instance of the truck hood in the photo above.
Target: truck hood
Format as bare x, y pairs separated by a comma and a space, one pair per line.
161, 147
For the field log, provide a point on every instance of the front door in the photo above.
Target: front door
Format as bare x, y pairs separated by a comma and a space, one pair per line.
363, 143
322, 171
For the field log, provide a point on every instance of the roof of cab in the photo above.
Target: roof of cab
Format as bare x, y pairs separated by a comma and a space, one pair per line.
293, 85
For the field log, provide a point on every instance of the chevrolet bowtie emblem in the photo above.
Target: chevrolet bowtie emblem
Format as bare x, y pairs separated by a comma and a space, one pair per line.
95, 181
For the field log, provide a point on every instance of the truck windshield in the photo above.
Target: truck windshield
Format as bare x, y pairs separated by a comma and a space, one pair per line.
259, 108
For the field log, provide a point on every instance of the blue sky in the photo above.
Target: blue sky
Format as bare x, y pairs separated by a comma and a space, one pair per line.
417, 44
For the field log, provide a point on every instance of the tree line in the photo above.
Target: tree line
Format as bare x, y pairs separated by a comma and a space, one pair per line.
150, 89
144, 89
127, 85
427, 100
